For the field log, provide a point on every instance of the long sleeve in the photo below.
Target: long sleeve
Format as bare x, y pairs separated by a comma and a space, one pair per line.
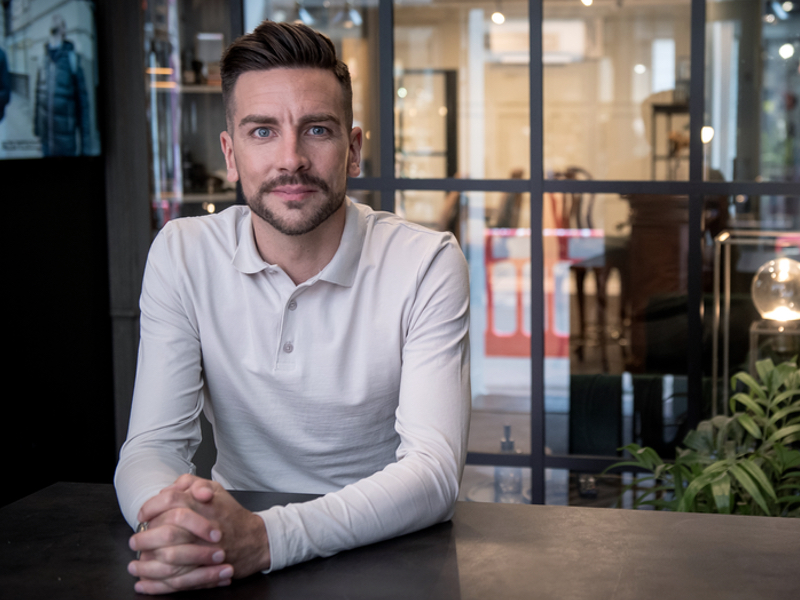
164, 430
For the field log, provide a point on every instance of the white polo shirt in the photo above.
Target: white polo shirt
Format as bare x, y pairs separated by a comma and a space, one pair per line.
353, 384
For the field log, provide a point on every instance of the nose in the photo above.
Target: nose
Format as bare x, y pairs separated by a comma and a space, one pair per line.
293, 156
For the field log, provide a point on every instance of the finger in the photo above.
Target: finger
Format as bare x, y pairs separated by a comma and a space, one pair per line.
178, 526
174, 561
165, 500
160, 537
201, 577
203, 490
183, 482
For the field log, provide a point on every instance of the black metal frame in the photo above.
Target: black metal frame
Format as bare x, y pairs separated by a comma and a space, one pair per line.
695, 189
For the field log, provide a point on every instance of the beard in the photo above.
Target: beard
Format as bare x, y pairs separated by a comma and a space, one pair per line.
333, 201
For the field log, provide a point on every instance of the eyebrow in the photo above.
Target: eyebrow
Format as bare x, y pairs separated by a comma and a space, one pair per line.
304, 120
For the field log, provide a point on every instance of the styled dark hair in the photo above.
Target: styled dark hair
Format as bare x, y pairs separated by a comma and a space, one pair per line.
274, 45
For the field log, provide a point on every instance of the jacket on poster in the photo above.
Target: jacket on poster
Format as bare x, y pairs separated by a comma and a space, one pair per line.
62, 104
5, 84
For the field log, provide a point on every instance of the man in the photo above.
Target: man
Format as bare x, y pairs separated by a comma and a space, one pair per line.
327, 344
62, 101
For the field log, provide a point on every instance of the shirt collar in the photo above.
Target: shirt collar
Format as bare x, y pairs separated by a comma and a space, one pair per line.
246, 257
343, 266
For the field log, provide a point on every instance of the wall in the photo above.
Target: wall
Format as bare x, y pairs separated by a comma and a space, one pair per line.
59, 411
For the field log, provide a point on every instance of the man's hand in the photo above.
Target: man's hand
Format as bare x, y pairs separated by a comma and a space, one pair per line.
198, 536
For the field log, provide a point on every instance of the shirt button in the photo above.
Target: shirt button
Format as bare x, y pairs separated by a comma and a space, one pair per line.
288, 347
292, 305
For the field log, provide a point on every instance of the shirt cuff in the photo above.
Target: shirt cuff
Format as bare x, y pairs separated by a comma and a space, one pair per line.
277, 558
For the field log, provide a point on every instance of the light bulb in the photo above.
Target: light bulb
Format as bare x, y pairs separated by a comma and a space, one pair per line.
786, 51
498, 18
776, 290
707, 134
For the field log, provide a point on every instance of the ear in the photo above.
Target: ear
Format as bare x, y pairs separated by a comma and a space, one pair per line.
354, 154
226, 141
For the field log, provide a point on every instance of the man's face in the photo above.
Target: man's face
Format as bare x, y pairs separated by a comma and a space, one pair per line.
288, 145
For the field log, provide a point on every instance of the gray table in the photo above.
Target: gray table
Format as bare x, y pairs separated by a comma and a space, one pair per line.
70, 541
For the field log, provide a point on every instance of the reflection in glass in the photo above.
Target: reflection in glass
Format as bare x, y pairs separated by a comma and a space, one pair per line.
753, 90
461, 89
616, 89
486, 484
615, 295
353, 29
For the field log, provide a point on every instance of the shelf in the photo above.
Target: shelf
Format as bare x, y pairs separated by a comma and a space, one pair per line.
198, 197
186, 88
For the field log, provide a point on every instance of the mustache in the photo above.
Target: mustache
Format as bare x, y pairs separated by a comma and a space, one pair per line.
297, 179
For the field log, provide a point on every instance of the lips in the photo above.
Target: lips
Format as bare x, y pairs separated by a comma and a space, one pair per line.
294, 193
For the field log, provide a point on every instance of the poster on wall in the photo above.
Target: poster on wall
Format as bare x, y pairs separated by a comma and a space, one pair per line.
48, 79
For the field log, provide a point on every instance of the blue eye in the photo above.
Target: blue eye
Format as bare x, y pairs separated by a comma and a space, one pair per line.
263, 132
318, 130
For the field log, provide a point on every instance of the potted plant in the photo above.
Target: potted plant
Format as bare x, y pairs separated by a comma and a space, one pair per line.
747, 463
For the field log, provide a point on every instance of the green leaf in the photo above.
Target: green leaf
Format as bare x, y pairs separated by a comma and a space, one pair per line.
784, 432
765, 368
752, 488
702, 441
757, 474
789, 500
785, 411
709, 474
754, 386
721, 490
748, 402
750, 425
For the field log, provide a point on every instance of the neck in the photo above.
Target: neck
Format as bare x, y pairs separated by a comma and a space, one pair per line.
300, 256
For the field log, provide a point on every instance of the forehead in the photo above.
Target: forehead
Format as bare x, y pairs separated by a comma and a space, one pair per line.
287, 92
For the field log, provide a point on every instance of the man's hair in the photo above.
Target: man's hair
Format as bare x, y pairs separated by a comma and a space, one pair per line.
274, 45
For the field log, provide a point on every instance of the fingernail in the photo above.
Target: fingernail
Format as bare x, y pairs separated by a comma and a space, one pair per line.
218, 556
226, 573
215, 535
132, 544
139, 588
132, 568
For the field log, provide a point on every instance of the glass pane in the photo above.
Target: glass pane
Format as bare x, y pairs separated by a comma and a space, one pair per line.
742, 235
616, 82
183, 46
353, 28
569, 488
752, 89
509, 485
500, 333
615, 294
462, 89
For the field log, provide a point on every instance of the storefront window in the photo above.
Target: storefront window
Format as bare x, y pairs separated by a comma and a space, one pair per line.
616, 335
752, 91
616, 89
462, 89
